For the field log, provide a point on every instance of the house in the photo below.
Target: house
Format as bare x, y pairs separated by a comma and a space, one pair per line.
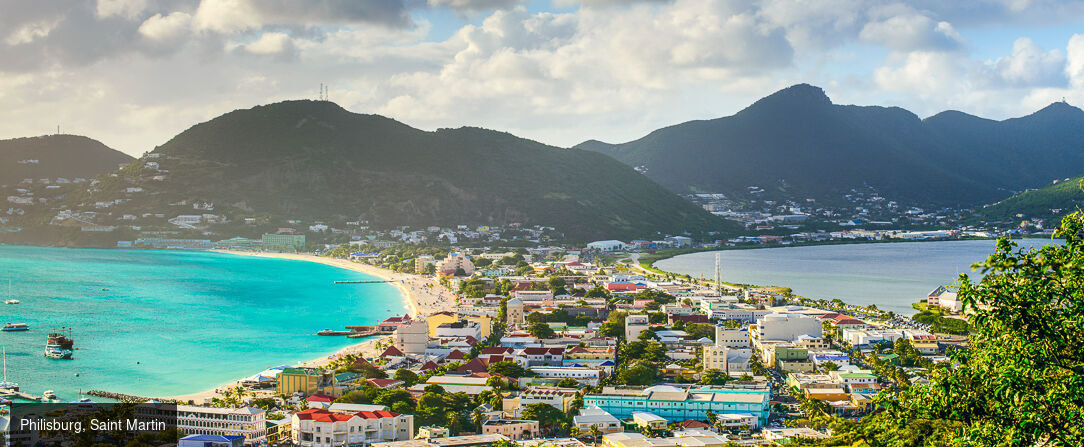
737, 420
588, 376
559, 398
649, 421
514, 429
595, 416
318, 427
634, 324
531, 357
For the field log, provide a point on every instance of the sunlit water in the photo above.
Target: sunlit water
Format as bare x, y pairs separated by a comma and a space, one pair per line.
890, 275
174, 322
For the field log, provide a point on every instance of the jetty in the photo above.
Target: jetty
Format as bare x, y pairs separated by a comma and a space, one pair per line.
125, 397
20, 395
365, 282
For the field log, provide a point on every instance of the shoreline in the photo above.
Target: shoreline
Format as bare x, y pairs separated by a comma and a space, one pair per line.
420, 295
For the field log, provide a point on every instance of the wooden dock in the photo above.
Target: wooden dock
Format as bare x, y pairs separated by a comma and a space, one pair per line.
21, 395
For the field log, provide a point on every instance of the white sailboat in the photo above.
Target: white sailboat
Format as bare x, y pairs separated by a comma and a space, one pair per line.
5, 385
11, 298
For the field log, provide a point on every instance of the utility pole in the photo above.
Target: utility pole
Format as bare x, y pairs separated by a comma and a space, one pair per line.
719, 272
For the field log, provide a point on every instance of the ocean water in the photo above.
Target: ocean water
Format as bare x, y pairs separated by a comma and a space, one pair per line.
174, 322
890, 275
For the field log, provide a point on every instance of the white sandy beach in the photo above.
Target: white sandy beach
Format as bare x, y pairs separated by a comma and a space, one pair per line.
422, 296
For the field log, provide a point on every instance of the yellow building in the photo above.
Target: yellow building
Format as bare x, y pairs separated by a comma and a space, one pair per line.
485, 323
307, 381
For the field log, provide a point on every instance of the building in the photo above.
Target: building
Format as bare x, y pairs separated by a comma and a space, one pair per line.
279, 431
738, 420
211, 441
514, 311
531, 357
559, 398
728, 360
515, 429
284, 243
595, 416
422, 263
458, 329
732, 337
249, 422
488, 440
607, 246
650, 421
587, 376
307, 381
318, 427
412, 337
676, 404
786, 327
634, 325
455, 262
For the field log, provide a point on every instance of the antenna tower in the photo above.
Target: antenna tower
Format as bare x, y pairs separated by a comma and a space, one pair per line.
719, 273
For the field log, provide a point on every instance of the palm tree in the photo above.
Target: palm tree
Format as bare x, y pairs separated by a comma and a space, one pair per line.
477, 417
594, 433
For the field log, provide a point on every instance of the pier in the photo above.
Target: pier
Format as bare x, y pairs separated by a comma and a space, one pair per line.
365, 282
124, 397
20, 395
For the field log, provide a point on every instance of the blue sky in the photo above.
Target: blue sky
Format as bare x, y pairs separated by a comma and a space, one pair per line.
133, 73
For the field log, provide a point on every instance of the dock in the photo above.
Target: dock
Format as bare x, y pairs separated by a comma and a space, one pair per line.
365, 282
20, 395
125, 397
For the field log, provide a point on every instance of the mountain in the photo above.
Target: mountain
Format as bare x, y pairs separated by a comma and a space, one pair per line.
313, 160
797, 144
56, 156
1051, 202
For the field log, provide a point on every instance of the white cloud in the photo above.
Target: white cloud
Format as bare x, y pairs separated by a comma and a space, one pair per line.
30, 32
911, 32
166, 28
271, 44
122, 8
1030, 65
1074, 69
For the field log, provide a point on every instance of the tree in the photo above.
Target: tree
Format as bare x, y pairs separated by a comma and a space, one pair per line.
1022, 381
594, 433
568, 382
640, 373
829, 366
540, 330
547, 416
408, 377
507, 368
713, 377
434, 388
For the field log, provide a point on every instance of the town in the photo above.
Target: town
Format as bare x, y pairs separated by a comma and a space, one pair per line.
542, 347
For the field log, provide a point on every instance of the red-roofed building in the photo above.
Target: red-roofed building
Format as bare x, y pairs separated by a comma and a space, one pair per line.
696, 318
428, 366
319, 398
831, 316
392, 351
845, 322
495, 350
320, 427
454, 355
479, 365
392, 323
689, 423
386, 384
540, 356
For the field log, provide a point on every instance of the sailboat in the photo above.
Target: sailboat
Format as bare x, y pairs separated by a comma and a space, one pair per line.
11, 298
5, 385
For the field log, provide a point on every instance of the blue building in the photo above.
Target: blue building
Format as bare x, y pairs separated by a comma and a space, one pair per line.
211, 441
677, 404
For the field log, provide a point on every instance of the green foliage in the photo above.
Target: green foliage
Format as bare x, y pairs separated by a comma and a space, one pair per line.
408, 377
640, 373
507, 368
67, 156
1022, 381
942, 324
540, 330
713, 377
651, 351
568, 382
546, 415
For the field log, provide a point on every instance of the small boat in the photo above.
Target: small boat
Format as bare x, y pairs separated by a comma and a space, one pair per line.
11, 298
15, 327
106, 289
48, 394
5, 385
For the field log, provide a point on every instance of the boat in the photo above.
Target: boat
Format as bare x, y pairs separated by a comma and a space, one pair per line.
48, 394
59, 345
15, 327
5, 385
11, 298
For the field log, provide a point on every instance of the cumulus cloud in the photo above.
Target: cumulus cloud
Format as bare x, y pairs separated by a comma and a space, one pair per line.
124, 8
1031, 65
240, 15
473, 5
911, 32
166, 28
272, 44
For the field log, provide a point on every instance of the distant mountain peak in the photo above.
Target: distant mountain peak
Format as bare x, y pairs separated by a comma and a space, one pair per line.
797, 96
1060, 108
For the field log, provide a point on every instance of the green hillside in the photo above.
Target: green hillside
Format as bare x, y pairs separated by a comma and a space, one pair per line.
797, 144
56, 156
1051, 202
311, 160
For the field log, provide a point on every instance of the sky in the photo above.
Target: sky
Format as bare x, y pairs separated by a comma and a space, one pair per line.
134, 73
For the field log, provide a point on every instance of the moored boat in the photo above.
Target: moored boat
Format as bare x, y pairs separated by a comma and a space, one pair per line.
15, 327
59, 345
5, 385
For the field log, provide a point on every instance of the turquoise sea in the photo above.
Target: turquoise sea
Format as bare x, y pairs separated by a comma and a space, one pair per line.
890, 275
174, 322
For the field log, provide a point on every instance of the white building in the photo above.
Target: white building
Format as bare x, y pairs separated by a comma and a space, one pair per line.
595, 416
649, 420
786, 327
249, 422
589, 376
412, 337
634, 324
318, 427
461, 328
732, 337
607, 246
737, 420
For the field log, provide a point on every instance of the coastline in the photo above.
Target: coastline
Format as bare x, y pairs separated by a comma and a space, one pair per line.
421, 295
